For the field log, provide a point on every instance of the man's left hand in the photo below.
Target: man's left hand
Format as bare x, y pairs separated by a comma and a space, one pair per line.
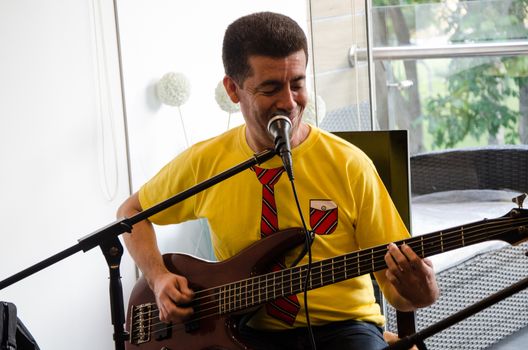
412, 277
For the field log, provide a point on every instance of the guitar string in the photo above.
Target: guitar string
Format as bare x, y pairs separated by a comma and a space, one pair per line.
342, 274
447, 237
370, 251
467, 241
445, 243
181, 325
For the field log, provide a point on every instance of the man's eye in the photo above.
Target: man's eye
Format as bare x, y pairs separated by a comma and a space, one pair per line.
270, 90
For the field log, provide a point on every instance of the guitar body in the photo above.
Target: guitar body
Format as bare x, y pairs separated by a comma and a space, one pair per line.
214, 332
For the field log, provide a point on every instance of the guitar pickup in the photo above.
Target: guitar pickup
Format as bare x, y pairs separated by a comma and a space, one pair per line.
163, 331
193, 324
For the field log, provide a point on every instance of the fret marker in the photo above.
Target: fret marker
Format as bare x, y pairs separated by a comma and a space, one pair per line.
333, 279
372, 259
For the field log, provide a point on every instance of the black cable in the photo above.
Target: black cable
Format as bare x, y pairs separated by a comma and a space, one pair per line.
308, 247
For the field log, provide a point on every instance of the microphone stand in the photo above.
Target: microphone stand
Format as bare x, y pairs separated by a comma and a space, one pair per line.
107, 239
417, 338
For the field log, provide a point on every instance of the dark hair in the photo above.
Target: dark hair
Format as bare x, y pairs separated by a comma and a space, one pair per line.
263, 34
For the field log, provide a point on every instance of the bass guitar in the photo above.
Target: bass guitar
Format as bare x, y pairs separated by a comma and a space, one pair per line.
228, 288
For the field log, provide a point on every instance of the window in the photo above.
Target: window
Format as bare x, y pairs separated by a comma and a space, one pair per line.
454, 73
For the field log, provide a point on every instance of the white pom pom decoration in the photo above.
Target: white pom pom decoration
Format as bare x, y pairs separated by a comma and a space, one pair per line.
173, 89
223, 99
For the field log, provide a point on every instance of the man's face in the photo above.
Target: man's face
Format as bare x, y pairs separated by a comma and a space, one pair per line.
275, 85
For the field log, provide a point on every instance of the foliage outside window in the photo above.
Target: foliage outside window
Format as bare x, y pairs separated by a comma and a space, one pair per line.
481, 100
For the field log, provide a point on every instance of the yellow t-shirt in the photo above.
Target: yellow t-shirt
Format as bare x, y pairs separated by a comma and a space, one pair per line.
330, 174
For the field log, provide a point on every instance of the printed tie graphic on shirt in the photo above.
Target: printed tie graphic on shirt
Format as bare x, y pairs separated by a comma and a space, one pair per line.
283, 308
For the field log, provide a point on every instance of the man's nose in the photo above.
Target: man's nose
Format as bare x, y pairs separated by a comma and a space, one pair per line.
286, 99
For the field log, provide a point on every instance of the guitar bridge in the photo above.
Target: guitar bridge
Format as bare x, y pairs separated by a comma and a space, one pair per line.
141, 323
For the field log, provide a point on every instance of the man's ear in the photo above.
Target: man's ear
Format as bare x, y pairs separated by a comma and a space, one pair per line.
231, 89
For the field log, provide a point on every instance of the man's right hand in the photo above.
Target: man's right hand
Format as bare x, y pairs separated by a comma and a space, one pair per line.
172, 293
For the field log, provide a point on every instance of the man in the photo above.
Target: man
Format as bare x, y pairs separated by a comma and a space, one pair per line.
265, 57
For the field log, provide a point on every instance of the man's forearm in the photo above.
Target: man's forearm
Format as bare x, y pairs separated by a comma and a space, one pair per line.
142, 246
141, 243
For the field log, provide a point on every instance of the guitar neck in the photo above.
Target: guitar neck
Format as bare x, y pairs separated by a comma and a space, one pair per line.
260, 289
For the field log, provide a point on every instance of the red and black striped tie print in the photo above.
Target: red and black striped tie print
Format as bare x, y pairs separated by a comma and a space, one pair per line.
323, 222
283, 308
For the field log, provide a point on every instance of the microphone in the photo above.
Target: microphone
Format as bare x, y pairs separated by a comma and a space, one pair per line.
279, 129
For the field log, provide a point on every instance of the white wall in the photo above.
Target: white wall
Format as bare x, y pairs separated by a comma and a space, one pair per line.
63, 158
60, 121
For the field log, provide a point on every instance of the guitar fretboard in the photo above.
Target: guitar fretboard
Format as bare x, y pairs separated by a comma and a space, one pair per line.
261, 289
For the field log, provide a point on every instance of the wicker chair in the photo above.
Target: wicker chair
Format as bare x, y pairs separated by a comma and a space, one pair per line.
493, 168
487, 168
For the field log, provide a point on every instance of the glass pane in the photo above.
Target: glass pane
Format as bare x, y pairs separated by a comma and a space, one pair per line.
449, 21
342, 90
464, 87
459, 102
455, 74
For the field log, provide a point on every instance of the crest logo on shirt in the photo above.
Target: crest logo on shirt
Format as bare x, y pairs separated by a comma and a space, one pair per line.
323, 216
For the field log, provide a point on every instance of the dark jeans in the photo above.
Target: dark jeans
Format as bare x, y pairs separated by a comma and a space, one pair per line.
349, 335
